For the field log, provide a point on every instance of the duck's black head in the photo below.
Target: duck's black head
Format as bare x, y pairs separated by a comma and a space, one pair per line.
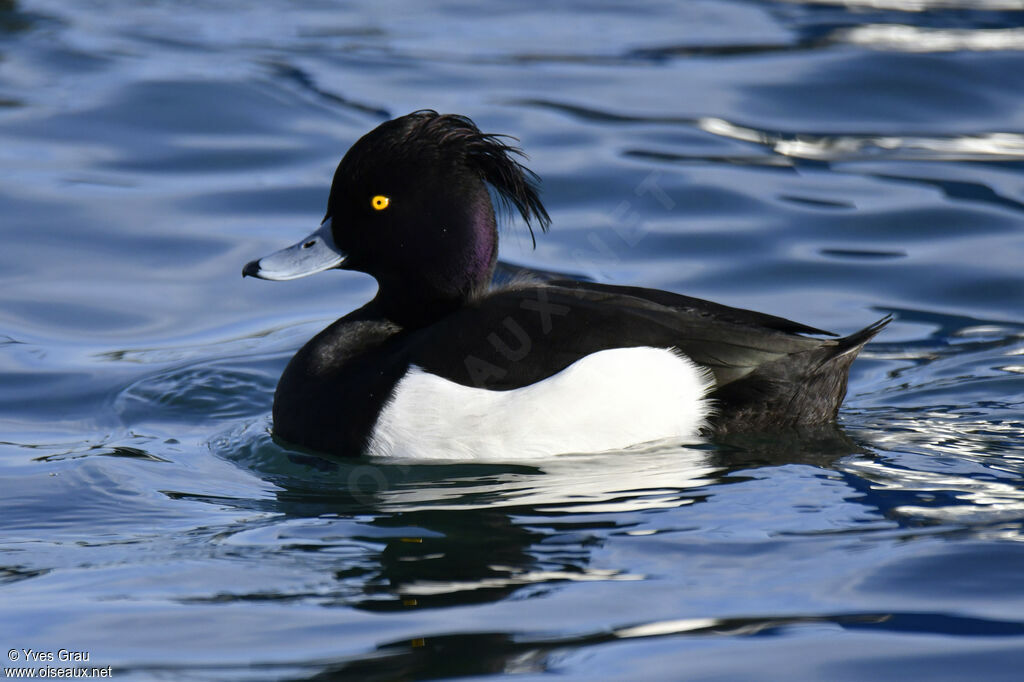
409, 205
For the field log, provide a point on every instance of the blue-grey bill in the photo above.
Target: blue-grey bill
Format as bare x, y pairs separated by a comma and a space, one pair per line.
315, 253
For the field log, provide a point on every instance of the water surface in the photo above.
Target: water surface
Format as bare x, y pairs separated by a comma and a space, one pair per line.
830, 161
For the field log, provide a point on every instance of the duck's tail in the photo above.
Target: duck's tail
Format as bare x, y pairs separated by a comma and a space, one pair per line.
803, 388
852, 344
826, 385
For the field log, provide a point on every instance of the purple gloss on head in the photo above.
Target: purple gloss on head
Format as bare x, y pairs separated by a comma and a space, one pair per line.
485, 242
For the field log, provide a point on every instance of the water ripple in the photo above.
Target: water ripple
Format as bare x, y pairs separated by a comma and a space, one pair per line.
983, 146
980, 147
952, 498
218, 390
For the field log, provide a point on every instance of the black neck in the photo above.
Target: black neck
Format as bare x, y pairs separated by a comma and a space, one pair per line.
414, 305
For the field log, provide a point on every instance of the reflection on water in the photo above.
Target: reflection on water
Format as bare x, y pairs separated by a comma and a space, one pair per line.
465, 533
460, 655
447, 534
915, 39
630, 480
951, 498
990, 146
919, 5
412, 536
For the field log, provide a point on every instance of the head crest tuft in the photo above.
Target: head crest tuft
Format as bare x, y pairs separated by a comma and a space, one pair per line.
491, 157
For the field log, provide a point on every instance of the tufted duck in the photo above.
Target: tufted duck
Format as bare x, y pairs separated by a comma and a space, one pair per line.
441, 365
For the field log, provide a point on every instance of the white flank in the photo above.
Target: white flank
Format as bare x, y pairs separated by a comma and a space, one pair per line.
604, 401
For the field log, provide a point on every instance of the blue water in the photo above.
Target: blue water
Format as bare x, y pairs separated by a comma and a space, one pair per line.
827, 161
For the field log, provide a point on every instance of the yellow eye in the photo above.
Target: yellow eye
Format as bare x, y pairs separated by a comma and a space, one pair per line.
380, 202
